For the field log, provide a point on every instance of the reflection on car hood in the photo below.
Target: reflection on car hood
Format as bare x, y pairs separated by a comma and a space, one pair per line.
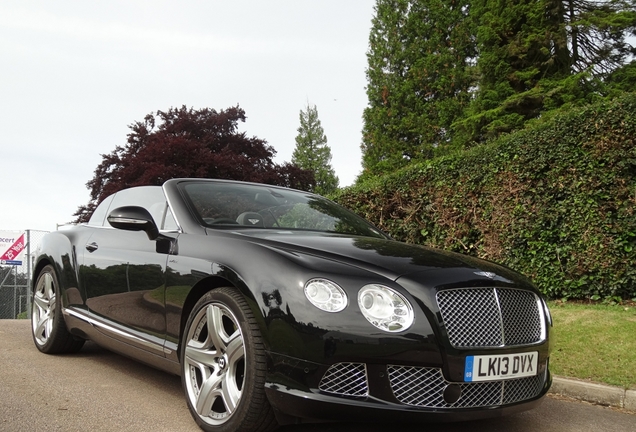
388, 258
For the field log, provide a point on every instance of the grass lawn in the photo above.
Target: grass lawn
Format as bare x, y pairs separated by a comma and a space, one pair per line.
594, 342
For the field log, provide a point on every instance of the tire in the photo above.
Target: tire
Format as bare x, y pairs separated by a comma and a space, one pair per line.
47, 323
223, 365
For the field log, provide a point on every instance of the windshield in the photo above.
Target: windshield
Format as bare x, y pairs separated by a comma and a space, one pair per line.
218, 204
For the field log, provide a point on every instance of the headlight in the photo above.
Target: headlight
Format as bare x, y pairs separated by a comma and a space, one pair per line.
325, 295
385, 308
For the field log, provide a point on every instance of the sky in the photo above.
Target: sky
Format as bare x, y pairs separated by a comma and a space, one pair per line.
74, 74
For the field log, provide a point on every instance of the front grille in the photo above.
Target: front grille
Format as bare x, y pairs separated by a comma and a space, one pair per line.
491, 317
346, 379
424, 387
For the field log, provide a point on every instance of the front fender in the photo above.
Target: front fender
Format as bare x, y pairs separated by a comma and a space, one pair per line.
272, 280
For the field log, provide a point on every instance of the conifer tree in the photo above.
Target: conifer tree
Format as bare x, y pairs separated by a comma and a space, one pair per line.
518, 45
598, 32
539, 55
312, 152
419, 76
446, 74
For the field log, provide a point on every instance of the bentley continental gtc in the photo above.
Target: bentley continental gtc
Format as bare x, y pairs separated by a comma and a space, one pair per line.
278, 306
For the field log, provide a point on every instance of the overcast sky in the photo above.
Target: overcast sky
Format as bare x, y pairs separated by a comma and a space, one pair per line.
75, 74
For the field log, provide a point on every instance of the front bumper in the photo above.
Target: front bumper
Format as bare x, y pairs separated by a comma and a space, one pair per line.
302, 391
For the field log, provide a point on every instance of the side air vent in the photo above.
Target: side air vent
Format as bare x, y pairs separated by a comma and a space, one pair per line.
346, 379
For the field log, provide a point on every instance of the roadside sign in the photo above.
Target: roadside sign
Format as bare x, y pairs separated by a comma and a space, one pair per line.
11, 248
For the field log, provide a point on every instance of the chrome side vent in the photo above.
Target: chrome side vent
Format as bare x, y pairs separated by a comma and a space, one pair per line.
346, 379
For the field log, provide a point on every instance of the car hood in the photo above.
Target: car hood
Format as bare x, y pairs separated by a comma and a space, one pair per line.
389, 258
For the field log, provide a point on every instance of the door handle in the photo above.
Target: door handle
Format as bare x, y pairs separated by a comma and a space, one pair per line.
92, 247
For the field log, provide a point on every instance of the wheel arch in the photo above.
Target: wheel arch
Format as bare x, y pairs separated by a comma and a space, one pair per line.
42, 262
211, 283
57, 250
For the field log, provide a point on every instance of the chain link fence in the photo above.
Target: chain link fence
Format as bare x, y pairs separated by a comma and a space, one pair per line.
15, 280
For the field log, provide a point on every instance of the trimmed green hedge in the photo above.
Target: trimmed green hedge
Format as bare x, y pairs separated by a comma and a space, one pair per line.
555, 202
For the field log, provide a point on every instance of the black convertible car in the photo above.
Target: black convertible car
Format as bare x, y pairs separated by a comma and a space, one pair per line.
278, 306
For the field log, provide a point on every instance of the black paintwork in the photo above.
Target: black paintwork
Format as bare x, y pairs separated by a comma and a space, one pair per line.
133, 295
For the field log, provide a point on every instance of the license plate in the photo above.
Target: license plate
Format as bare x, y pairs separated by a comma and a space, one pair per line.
500, 367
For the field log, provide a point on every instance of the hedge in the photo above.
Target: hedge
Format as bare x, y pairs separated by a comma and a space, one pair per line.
555, 202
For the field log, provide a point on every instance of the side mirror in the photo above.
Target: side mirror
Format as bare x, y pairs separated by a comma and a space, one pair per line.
133, 218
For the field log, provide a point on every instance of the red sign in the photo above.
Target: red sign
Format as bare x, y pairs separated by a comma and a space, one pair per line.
12, 253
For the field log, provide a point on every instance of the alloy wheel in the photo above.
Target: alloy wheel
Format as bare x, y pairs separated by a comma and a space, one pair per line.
214, 363
44, 308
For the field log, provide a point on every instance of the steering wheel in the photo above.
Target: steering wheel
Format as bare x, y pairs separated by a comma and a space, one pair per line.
272, 215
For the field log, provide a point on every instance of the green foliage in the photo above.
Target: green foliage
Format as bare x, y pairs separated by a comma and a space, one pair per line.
622, 79
519, 45
536, 56
448, 74
597, 33
419, 77
312, 152
556, 202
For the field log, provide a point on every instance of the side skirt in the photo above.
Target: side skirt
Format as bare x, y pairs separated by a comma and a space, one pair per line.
81, 324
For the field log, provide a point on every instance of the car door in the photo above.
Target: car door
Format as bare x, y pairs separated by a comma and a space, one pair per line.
123, 274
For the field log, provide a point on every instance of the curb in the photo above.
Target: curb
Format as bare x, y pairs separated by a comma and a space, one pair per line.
595, 393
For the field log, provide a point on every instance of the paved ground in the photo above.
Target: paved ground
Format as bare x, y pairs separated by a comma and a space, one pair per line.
97, 390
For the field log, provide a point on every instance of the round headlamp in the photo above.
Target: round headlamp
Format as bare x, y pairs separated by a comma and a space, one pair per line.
385, 308
325, 295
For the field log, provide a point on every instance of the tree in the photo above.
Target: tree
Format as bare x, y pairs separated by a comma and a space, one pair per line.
446, 74
623, 79
420, 61
536, 56
519, 43
184, 142
597, 32
312, 152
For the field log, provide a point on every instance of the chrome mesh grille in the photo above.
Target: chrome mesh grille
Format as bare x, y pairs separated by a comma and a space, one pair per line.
346, 379
523, 388
424, 387
520, 316
490, 317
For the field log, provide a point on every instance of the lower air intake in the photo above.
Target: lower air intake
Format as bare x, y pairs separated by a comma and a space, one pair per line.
346, 379
424, 387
